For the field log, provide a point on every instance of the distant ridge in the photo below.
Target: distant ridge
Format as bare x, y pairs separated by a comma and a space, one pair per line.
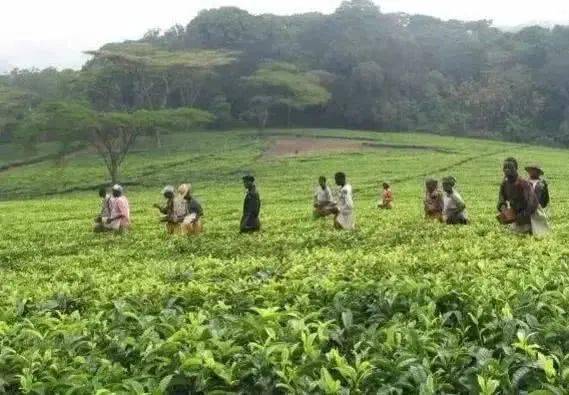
544, 24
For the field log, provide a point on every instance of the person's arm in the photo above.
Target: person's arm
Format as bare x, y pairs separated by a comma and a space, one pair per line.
542, 193
459, 201
349, 201
545, 192
163, 210
502, 202
255, 205
530, 199
196, 208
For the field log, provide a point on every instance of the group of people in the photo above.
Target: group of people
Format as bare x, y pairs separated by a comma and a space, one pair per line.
115, 211
342, 208
521, 204
181, 212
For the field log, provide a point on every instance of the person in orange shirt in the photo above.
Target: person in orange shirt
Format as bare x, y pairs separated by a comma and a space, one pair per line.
386, 197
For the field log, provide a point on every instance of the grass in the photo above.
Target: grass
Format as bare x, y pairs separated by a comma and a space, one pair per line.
398, 306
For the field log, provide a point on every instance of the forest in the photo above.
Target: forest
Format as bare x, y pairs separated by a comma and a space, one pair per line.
357, 68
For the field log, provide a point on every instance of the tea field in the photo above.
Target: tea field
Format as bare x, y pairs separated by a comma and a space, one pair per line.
400, 306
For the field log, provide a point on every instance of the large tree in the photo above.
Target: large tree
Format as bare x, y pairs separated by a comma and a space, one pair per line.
283, 84
112, 134
143, 75
14, 104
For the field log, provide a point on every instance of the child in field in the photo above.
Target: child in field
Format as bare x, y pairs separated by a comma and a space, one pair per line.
454, 210
386, 197
433, 200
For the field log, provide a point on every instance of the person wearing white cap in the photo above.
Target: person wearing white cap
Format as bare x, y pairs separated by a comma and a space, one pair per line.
120, 210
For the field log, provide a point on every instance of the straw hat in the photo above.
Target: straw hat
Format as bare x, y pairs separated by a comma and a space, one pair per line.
535, 166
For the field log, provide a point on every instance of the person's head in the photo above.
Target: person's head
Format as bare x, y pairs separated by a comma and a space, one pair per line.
102, 192
249, 182
386, 185
534, 172
511, 168
322, 181
168, 192
184, 190
340, 178
431, 184
448, 184
117, 190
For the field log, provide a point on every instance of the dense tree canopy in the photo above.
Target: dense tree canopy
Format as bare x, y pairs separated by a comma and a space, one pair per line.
357, 68
112, 134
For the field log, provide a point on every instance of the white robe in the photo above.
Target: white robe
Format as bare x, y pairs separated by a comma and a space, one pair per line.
346, 217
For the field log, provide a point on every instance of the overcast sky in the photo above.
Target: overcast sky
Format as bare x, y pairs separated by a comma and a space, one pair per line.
44, 33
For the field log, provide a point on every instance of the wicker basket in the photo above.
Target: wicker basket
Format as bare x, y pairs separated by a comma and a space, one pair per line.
507, 216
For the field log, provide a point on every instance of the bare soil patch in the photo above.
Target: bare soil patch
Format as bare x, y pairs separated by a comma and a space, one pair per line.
297, 146
305, 145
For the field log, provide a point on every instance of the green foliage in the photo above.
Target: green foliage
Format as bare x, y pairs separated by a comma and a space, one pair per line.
290, 85
14, 104
398, 306
145, 54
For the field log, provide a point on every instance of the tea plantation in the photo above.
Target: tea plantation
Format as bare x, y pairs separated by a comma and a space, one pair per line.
400, 306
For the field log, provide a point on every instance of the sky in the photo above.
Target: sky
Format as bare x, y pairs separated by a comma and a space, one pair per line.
41, 33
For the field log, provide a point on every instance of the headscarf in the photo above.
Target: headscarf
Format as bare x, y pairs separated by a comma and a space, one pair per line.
184, 189
535, 166
168, 189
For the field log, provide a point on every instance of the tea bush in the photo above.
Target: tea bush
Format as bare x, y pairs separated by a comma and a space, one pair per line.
399, 306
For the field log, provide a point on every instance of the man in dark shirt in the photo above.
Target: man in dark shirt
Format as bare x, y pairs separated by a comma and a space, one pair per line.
251, 207
518, 195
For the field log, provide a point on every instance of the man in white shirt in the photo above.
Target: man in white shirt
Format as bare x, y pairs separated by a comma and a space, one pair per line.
454, 208
345, 218
323, 199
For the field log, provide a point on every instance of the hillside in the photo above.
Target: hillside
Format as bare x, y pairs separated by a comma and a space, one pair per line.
213, 157
356, 68
398, 306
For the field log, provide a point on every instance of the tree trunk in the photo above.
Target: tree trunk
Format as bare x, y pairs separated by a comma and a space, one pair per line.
158, 138
114, 172
263, 119
288, 115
